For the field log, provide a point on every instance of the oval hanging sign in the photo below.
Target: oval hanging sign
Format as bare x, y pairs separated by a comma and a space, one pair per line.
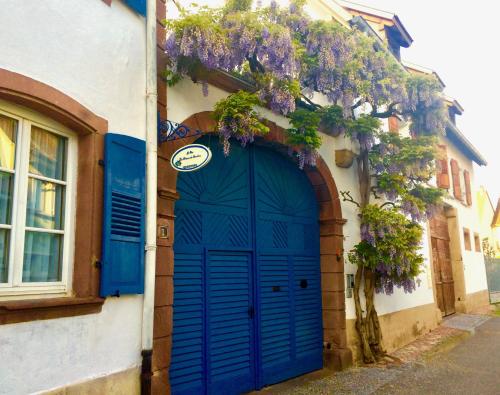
191, 157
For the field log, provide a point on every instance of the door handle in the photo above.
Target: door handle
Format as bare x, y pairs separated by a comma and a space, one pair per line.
251, 312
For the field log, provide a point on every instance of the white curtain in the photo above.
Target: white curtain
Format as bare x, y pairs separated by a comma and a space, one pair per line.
42, 257
47, 154
8, 130
45, 207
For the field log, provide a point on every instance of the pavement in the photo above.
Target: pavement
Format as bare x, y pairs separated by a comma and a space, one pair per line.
462, 356
465, 322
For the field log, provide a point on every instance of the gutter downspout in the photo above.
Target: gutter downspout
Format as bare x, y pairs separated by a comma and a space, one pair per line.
151, 192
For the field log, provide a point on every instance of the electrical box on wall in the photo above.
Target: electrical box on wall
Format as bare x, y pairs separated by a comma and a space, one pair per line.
349, 285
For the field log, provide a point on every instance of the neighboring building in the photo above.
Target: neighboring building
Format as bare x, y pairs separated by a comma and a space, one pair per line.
489, 219
495, 227
458, 261
252, 278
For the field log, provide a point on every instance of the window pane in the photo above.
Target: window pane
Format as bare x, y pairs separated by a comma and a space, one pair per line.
42, 257
45, 208
8, 128
47, 154
4, 255
6, 187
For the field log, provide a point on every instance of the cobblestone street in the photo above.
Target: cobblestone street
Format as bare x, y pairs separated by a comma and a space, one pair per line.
445, 361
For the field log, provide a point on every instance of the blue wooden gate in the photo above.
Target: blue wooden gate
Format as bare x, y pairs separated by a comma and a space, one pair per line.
247, 295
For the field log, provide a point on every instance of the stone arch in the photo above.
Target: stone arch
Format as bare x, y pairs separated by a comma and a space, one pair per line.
337, 354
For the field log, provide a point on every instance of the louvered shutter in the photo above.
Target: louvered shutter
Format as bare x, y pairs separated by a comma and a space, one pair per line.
138, 6
393, 125
123, 219
468, 194
455, 175
442, 176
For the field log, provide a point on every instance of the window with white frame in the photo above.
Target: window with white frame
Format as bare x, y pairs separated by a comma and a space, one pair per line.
37, 173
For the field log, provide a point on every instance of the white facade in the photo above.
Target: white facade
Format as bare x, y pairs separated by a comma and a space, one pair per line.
95, 54
467, 217
186, 99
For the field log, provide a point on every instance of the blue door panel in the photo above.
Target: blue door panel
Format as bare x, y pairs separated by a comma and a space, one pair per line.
188, 367
230, 343
289, 271
246, 239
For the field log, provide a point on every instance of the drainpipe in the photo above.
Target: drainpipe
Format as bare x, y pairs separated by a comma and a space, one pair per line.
151, 192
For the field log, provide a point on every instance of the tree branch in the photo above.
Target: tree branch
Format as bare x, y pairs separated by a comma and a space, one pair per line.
255, 65
374, 191
347, 197
388, 113
388, 204
357, 104
310, 102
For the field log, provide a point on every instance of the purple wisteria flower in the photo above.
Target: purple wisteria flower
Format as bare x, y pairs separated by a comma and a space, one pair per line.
367, 235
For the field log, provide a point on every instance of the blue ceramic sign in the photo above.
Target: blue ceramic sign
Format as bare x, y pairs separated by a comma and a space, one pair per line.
191, 157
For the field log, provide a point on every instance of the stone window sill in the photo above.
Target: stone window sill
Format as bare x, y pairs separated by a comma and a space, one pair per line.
15, 311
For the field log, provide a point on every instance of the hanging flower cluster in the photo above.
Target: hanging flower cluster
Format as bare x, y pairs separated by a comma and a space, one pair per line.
283, 51
402, 168
237, 118
304, 136
424, 105
364, 130
389, 247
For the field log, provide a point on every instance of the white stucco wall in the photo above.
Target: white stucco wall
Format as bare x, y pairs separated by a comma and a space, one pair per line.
86, 49
95, 54
43, 355
467, 217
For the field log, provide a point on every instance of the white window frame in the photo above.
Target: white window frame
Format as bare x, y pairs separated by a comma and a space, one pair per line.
15, 288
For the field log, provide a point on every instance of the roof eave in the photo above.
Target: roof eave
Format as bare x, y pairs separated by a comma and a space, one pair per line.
405, 37
407, 40
464, 145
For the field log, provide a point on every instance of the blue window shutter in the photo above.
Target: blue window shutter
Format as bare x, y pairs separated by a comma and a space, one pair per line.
138, 6
122, 268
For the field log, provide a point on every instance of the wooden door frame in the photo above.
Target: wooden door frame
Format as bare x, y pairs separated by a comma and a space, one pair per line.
456, 258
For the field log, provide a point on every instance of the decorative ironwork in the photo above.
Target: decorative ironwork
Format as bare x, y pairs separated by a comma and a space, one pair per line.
169, 131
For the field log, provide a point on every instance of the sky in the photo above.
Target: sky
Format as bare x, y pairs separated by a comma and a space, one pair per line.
460, 41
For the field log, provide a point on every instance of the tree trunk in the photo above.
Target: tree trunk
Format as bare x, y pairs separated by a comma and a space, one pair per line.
368, 324
360, 320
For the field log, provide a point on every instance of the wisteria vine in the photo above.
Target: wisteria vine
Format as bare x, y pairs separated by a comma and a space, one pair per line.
290, 58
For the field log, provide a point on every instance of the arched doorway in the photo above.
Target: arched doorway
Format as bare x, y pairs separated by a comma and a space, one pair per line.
336, 354
247, 283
